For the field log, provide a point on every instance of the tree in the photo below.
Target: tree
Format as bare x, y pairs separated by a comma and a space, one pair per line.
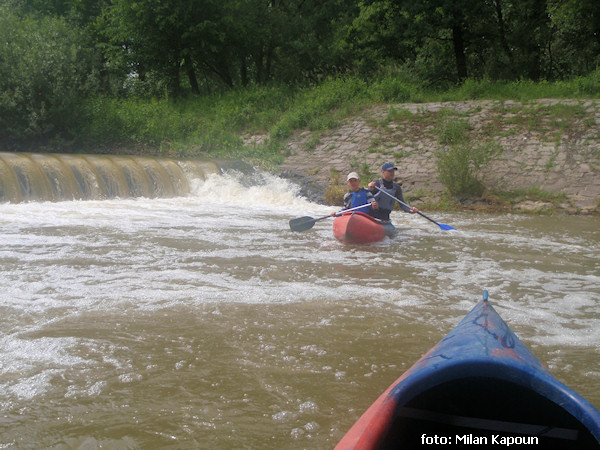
226, 42
431, 33
380, 32
576, 36
458, 22
44, 74
157, 38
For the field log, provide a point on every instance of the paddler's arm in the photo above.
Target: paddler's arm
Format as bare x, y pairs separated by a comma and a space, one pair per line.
347, 203
405, 208
371, 187
371, 200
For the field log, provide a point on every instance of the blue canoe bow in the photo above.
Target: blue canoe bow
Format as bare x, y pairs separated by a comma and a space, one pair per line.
479, 385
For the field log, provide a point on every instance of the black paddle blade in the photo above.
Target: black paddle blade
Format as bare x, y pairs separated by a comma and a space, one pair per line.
302, 223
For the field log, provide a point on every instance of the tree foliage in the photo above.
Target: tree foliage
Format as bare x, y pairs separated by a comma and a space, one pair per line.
53, 53
44, 73
208, 44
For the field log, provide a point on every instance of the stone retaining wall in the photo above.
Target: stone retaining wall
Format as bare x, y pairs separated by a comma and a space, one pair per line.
552, 145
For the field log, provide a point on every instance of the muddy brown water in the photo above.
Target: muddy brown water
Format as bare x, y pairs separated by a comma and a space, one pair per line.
203, 322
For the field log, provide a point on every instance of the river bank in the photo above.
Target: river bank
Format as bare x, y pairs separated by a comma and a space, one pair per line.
548, 158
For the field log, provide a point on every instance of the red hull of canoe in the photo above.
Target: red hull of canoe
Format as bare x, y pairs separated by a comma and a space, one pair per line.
358, 228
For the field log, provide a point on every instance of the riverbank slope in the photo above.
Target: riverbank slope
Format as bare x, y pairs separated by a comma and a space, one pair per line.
547, 156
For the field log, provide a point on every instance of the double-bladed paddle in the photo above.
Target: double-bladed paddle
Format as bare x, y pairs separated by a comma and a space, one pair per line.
306, 223
443, 226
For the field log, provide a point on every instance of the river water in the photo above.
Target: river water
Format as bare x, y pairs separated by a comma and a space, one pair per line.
204, 322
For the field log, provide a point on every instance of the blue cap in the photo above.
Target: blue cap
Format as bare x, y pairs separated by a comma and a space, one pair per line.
388, 166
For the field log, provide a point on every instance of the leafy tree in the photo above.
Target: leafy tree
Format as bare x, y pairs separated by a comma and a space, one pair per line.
227, 42
434, 35
379, 33
158, 38
309, 48
529, 36
575, 46
44, 74
450, 40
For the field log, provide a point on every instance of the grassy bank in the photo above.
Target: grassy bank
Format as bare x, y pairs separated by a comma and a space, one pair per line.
215, 126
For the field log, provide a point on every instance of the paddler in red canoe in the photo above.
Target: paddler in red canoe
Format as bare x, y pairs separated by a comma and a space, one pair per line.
358, 196
386, 203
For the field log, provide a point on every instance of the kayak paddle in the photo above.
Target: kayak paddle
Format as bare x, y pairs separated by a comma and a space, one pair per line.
306, 223
442, 226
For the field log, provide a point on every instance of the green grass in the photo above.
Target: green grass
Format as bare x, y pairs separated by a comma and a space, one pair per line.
452, 131
213, 126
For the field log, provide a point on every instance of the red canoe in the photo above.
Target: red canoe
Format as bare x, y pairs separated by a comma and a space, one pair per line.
360, 228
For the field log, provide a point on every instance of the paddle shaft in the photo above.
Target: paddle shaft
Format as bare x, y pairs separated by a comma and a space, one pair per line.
306, 223
408, 206
343, 211
390, 195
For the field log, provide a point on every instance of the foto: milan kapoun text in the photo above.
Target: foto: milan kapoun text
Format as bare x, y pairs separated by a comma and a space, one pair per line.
470, 439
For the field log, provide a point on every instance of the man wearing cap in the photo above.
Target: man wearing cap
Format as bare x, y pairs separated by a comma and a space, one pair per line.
386, 183
358, 196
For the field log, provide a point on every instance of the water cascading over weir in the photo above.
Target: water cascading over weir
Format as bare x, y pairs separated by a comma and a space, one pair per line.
59, 177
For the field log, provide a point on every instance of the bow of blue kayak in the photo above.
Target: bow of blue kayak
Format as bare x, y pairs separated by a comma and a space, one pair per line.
479, 385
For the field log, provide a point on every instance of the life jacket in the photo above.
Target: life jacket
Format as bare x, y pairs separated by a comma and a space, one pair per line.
360, 198
383, 200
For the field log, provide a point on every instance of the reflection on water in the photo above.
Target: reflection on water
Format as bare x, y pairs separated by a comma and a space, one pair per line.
204, 322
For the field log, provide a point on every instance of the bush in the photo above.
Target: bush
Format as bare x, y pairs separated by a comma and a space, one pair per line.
216, 124
393, 90
44, 73
588, 86
452, 131
458, 167
315, 107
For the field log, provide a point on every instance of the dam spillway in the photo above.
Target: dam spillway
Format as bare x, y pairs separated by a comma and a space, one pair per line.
60, 177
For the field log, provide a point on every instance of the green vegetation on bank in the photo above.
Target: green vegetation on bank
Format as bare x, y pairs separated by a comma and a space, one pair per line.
216, 125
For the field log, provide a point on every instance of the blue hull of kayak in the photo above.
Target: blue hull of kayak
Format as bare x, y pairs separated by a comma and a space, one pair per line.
479, 385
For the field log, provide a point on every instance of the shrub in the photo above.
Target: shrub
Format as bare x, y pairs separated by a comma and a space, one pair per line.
459, 166
315, 108
588, 86
452, 131
44, 72
334, 194
393, 89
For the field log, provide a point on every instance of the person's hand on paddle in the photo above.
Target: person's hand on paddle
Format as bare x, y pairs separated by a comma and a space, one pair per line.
413, 210
374, 205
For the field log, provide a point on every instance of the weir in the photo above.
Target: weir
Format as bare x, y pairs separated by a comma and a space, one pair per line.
58, 177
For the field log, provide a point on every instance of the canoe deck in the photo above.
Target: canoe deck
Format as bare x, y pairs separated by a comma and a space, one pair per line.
479, 385
360, 228
460, 410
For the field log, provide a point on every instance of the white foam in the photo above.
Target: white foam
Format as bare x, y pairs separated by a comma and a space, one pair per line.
229, 242
261, 191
